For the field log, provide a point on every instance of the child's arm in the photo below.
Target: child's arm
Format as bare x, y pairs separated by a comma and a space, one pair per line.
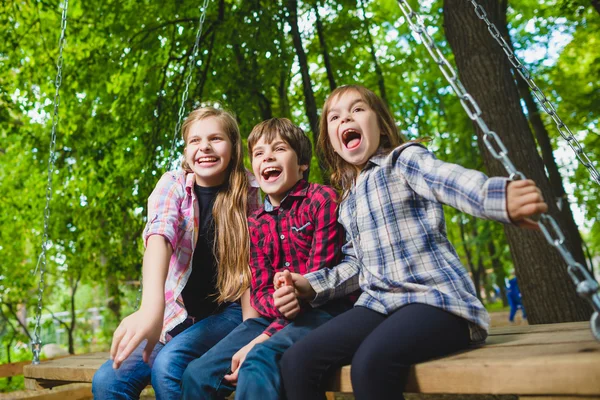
467, 190
147, 322
327, 239
238, 358
247, 310
160, 238
320, 286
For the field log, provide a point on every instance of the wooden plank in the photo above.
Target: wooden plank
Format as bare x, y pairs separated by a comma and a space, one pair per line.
559, 398
575, 336
76, 391
79, 368
12, 369
16, 368
542, 360
569, 369
32, 384
525, 329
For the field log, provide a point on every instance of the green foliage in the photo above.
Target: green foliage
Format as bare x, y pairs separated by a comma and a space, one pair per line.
124, 69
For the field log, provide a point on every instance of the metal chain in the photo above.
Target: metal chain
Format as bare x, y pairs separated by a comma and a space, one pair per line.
188, 80
548, 107
184, 97
41, 264
586, 286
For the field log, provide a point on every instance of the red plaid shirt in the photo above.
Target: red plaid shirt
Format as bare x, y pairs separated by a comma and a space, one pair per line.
302, 235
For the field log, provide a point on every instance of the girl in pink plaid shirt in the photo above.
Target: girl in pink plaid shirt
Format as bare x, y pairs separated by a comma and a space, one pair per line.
193, 283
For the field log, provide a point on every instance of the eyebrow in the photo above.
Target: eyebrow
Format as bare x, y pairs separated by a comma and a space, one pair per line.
358, 100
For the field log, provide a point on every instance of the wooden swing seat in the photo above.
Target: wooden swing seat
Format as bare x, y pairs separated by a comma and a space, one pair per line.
554, 361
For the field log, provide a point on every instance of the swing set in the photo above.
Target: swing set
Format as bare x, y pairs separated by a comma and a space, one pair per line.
552, 361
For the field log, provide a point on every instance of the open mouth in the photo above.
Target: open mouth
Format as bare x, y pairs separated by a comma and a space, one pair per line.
351, 138
271, 174
207, 160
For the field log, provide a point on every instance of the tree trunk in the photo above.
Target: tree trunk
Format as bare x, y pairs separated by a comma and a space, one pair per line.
498, 271
548, 294
326, 60
253, 85
596, 5
284, 70
309, 97
378, 71
71, 328
113, 294
543, 140
284, 102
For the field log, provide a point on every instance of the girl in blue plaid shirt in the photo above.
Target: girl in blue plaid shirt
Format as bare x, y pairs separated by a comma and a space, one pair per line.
418, 302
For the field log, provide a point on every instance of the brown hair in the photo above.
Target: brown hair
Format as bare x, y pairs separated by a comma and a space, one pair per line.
229, 210
290, 133
343, 174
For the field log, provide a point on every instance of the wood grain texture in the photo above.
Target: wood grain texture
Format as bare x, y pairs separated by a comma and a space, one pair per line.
548, 360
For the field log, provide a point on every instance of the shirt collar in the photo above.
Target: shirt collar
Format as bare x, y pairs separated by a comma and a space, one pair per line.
299, 190
378, 157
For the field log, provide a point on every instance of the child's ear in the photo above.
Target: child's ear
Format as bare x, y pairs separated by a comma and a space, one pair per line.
303, 168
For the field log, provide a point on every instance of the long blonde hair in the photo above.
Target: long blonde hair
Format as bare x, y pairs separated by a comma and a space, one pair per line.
344, 174
232, 241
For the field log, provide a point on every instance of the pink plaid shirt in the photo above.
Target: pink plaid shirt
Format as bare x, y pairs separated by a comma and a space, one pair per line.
173, 213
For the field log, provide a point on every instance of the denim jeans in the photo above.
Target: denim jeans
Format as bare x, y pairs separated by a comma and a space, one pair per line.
167, 362
259, 374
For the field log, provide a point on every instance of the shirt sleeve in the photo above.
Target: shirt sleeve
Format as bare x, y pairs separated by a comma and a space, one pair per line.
163, 210
275, 326
261, 287
468, 190
328, 236
341, 280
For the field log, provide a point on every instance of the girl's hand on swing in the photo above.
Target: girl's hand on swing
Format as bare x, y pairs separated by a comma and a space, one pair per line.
285, 298
133, 330
523, 200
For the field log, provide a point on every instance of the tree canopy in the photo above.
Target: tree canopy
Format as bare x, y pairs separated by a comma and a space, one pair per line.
124, 72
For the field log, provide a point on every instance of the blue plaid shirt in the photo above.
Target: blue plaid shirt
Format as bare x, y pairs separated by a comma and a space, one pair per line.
397, 250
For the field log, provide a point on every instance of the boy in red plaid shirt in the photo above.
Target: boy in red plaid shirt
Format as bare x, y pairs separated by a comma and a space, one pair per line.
295, 230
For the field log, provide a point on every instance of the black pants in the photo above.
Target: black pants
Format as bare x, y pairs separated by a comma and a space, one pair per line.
381, 348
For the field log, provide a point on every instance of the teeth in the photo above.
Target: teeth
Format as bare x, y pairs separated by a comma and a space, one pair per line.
206, 159
270, 169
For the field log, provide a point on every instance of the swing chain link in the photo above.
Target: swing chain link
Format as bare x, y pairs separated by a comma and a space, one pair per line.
548, 107
585, 284
188, 80
41, 263
181, 113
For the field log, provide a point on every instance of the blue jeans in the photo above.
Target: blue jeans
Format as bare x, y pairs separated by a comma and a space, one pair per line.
259, 374
167, 362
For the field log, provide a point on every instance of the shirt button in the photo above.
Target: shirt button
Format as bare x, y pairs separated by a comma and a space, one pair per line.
282, 237
287, 264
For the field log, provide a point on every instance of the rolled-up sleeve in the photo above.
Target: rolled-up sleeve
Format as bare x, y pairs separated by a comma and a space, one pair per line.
163, 209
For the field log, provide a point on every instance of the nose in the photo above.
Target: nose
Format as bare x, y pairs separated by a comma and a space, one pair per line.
346, 117
268, 156
205, 145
